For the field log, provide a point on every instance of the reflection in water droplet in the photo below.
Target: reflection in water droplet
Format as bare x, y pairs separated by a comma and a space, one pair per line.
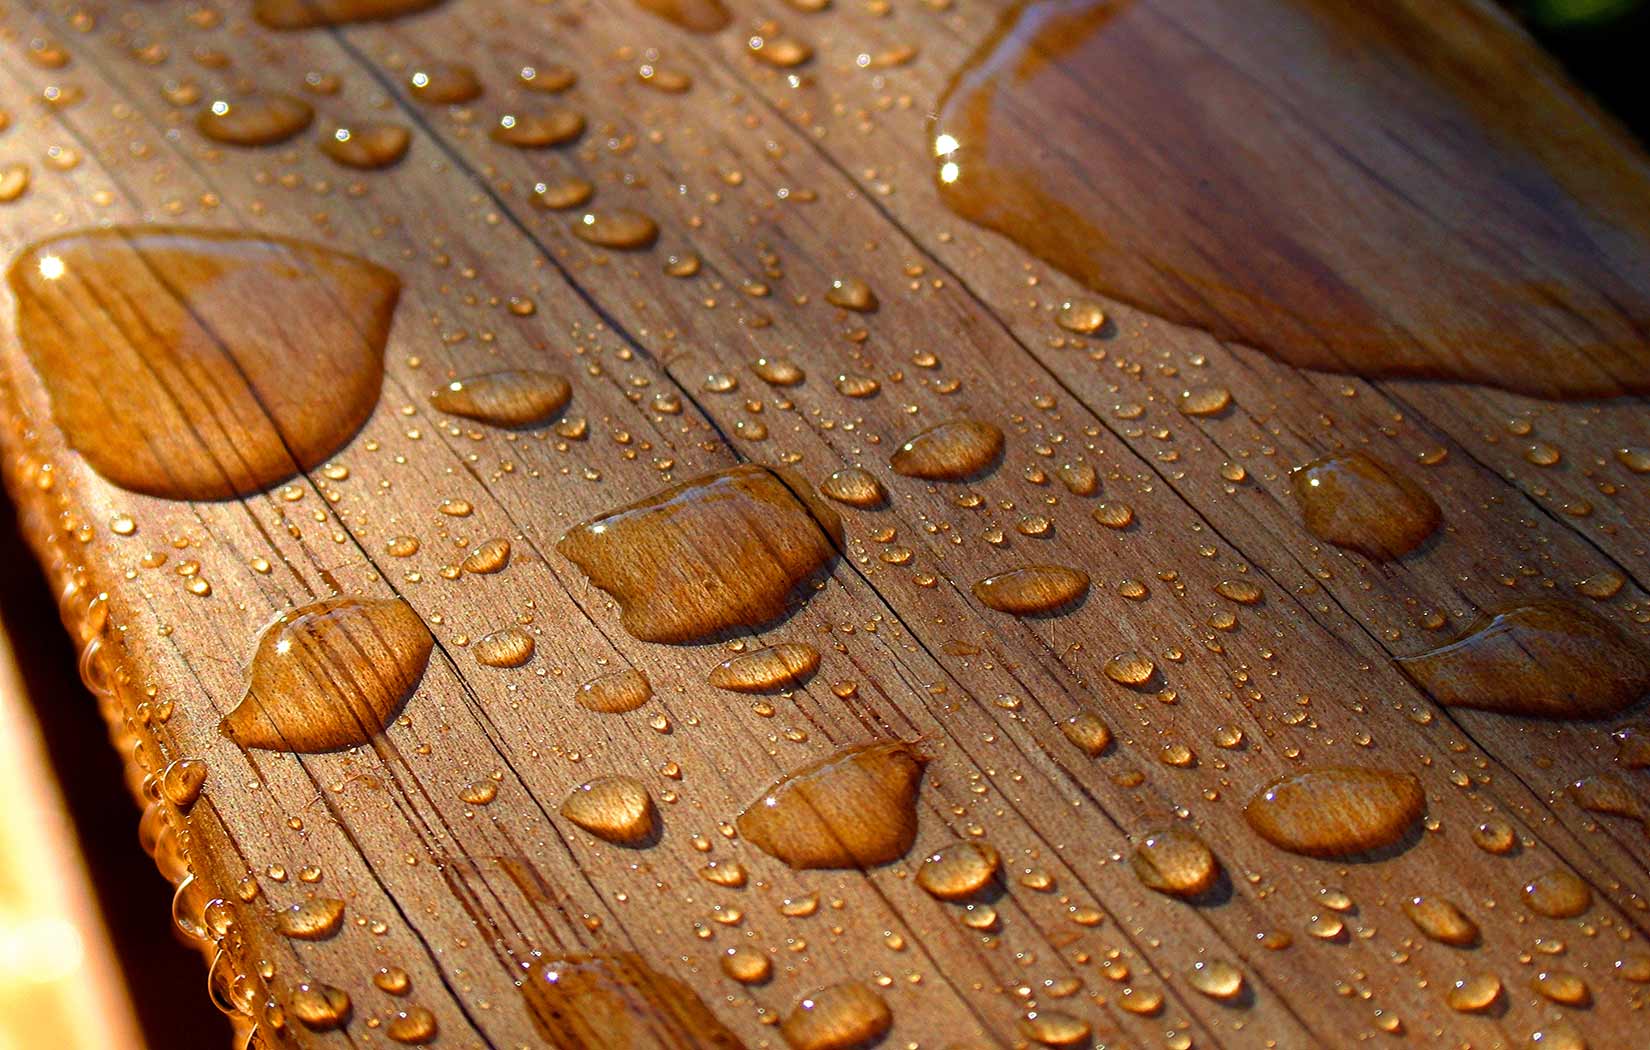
787, 665
959, 871
1544, 658
854, 808
1082, 316
746, 965
614, 808
721, 551
614, 1000
330, 675
1175, 862
950, 452
1038, 137
510, 398
1337, 811
256, 120
1358, 502
288, 337
615, 693
1035, 590
840, 1017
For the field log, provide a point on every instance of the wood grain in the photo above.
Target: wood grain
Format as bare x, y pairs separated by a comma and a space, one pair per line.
781, 186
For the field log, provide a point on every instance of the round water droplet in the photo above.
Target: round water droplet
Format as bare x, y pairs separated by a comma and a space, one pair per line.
1357, 502
855, 487
508, 647
1441, 920
959, 870
746, 965
1083, 316
851, 293
1087, 732
1203, 400
1558, 894
1175, 862
487, 557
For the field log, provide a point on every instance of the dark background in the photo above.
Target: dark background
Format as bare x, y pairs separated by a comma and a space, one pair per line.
1603, 43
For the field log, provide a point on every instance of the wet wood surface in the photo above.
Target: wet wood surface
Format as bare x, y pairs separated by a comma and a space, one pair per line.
780, 181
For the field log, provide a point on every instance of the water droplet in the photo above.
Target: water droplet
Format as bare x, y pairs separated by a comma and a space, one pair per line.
1562, 986
1087, 732
1113, 515
414, 1026
854, 808
785, 666
618, 228
539, 128
182, 781
855, 487
1131, 669
1216, 978
289, 337
444, 83
842, 1016
950, 452
319, 1006
511, 398
1357, 502
1442, 921
746, 965
1203, 400
662, 78
1473, 994
721, 551
613, 1000
613, 808
330, 675
488, 557
1054, 1028
1243, 592
1337, 811
615, 693
1035, 590
851, 293
313, 14
1547, 659
959, 871
778, 371
1175, 862
368, 146
697, 16
550, 79
569, 191
1556, 321
780, 52
1634, 458
14, 181
315, 919
1558, 894
1079, 478
507, 647
392, 979
256, 120
1082, 316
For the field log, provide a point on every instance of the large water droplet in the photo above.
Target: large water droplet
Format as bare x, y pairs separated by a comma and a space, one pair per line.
843, 1016
1358, 502
330, 675
698, 16
1337, 811
615, 693
1175, 862
721, 551
314, 919
255, 120
312, 14
950, 452
510, 398
614, 808
1544, 658
959, 871
1035, 590
287, 337
855, 808
784, 666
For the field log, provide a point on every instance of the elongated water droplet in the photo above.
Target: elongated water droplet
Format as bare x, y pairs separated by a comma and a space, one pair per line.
1083, 316
1442, 921
780, 52
698, 16
1175, 862
615, 1000
1216, 978
1055, 1028
330, 675
1035, 590
842, 1016
854, 808
950, 452
778, 371
1565, 987
14, 180
369, 146
619, 228
320, 1006
1558, 894
959, 871
784, 666
721, 551
855, 487
539, 128
488, 557
182, 781
289, 338
1203, 400
1337, 811
1475, 993
569, 191
1357, 502
506, 647
1547, 659
312, 14
255, 120
614, 808
444, 83
1088, 732
851, 293
511, 398
315, 919
615, 693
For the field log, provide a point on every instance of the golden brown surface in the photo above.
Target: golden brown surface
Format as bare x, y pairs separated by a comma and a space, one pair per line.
1220, 646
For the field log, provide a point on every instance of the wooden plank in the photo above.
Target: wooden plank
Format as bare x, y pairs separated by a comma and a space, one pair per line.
459, 894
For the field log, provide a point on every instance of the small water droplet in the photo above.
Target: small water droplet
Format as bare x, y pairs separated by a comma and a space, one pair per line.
319, 1006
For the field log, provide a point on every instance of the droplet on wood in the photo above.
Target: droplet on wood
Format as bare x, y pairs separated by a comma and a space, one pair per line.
1035, 590
615, 1000
855, 487
784, 666
1337, 811
614, 808
619, 228
509, 398
1357, 502
255, 120
856, 808
952, 451
615, 693
367, 146
842, 1016
507, 647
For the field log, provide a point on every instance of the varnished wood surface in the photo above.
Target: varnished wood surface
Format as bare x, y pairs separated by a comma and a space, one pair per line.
780, 188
